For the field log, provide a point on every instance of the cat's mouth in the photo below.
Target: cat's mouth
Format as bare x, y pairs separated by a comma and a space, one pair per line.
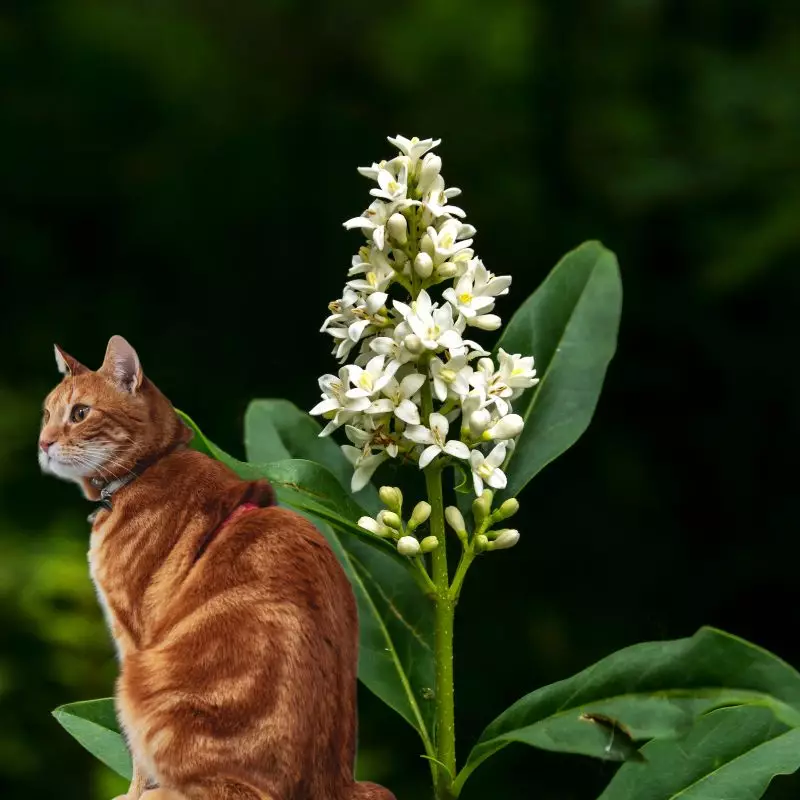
68, 465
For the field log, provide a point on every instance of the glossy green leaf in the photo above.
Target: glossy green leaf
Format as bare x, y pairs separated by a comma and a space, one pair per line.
94, 724
730, 753
300, 484
396, 621
569, 324
276, 429
653, 690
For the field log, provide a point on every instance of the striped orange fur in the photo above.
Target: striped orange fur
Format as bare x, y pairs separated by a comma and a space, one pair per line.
235, 625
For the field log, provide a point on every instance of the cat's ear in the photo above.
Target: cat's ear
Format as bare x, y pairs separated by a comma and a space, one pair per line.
67, 365
122, 365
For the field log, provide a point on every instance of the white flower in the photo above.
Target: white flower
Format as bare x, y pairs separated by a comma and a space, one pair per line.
487, 468
415, 241
445, 242
365, 465
517, 372
414, 148
487, 283
373, 222
372, 435
492, 385
507, 427
435, 201
434, 326
367, 381
397, 346
372, 172
392, 187
436, 439
407, 546
429, 171
475, 293
398, 398
451, 377
335, 401
375, 281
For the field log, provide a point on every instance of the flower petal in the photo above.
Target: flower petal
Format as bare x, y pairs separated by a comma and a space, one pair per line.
418, 434
456, 449
439, 425
497, 480
411, 384
428, 454
323, 406
407, 412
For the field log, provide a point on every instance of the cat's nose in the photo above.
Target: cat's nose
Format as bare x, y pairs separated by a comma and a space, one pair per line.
45, 445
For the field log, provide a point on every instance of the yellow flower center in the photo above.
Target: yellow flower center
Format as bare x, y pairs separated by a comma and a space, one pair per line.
465, 298
365, 381
447, 375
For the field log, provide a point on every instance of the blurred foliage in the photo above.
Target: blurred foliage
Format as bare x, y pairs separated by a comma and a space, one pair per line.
178, 173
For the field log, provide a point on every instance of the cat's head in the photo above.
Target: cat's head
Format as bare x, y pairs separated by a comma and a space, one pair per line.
98, 426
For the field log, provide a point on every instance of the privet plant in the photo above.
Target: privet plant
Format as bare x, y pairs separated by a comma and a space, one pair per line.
706, 717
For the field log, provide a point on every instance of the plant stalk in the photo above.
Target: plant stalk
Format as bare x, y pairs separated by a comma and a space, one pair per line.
444, 605
445, 731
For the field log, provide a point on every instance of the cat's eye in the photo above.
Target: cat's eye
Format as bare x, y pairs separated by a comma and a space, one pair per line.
46, 416
78, 413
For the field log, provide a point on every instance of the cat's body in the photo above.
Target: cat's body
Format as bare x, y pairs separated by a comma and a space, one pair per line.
236, 627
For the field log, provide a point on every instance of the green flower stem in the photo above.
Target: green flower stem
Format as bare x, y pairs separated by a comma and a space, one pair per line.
443, 644
426, 579
467, 558
445, 729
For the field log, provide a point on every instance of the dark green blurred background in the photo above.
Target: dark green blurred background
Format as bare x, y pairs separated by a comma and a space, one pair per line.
178, 172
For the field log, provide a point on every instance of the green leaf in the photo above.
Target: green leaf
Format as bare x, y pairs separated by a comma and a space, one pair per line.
731, 753
94, 724
569, 325
275, 429
300, 484
395, 618
650, 691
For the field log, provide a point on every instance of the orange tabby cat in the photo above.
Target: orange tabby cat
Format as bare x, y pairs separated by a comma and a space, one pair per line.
236, 627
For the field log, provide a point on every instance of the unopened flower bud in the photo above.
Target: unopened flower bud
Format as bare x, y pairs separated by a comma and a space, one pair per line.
407, 546
431, 167
426, 245
486, 322
392, 498
506, 428
375, 527
390, 519
423, 265
413, 344
481, 543
420, 514
456, 521
429, 544
505, 539
398, 228
479, 421
482, 505
507, 509
447, 270
466, 231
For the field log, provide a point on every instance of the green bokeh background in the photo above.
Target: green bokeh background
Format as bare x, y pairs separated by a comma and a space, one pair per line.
178, 172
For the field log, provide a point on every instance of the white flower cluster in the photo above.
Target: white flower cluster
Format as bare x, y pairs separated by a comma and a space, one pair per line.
414, 373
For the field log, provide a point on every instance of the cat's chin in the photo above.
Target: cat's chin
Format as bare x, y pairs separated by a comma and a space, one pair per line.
67, 472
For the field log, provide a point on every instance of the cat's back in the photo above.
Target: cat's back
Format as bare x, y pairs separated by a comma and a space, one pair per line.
271, 561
